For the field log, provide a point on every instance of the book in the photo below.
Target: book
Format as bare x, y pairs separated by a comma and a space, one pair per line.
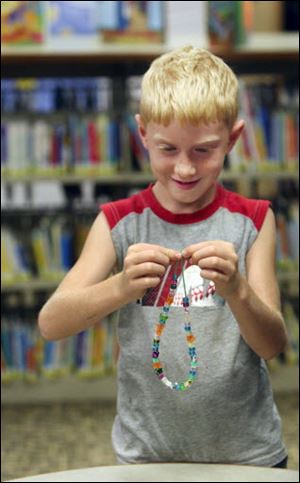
22, 22
72, 18
293, 230
229, 23
131, 22
221, 23
139, 155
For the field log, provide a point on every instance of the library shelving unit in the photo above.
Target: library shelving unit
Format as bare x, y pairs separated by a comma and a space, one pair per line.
271, 55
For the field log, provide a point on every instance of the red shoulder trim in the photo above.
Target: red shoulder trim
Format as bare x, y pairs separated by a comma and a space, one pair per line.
254, 209
115, 211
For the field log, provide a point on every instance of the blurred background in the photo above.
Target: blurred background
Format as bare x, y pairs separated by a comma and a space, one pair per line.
70, 85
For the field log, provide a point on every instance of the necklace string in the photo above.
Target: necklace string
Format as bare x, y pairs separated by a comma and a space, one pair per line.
183, 278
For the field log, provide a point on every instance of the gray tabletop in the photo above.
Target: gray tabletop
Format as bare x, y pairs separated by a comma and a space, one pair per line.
170, 472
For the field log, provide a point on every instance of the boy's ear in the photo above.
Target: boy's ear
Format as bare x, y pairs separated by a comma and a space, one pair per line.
235, 134
141, 130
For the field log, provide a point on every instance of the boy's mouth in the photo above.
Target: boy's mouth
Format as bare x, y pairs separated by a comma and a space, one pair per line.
185, 185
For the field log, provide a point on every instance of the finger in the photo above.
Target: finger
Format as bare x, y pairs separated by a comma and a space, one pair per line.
214, 276
138, 247
221, 251
216, 263
146, 269
144, 283
136, 258
211, 247
188, 251
172, 254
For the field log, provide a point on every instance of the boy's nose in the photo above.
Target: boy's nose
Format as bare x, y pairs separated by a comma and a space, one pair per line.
185, 169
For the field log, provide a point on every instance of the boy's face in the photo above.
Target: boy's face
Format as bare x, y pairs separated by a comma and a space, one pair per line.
186, 161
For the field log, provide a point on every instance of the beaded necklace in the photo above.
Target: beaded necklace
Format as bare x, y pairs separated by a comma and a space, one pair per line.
190, 338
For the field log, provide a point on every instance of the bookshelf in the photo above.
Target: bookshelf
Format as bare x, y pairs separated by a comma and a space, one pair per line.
272, 54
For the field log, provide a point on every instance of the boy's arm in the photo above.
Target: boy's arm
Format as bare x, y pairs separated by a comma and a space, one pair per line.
254, 300
86, 295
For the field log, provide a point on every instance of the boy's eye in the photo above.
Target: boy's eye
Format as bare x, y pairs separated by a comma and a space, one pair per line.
201, 150
167, 148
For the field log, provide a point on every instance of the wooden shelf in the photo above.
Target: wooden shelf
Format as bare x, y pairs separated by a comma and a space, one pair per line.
264, 46
132, 178
30, 285
285, 378
279, 46
65, 389
114, 179
108, 54
288, 277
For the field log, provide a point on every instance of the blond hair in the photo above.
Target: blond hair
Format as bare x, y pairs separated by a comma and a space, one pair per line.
190, 85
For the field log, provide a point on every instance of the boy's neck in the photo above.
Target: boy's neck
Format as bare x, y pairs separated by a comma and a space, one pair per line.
181, 207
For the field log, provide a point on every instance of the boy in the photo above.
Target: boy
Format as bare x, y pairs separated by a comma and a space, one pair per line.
226, 243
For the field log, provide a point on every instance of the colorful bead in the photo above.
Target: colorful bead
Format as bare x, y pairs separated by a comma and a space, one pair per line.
185, 302
163, 317
190, 338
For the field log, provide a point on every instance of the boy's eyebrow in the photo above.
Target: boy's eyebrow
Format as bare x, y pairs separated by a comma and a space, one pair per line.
212, 140
209, 141
158, 137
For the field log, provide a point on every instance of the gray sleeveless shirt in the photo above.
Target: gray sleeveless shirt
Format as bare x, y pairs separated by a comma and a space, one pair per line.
228, 414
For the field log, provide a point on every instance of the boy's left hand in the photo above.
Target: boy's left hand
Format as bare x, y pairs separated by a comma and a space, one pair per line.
218, 262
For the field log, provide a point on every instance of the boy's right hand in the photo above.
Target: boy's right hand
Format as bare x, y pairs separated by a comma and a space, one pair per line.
144, 265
